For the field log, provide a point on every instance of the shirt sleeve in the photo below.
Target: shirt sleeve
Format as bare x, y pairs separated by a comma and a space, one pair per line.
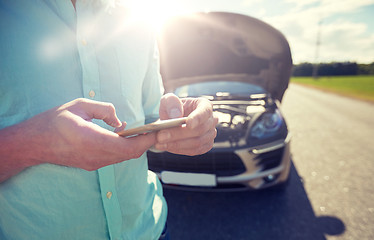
152, 87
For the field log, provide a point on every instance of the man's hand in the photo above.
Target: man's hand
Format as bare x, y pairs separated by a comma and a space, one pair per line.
197, 137
66, 136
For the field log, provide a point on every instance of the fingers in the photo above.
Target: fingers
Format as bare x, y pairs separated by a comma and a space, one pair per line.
199, 110
73, 140
89, 109
178, 133
183, 140
128, 148
197, 137
170, 107
122, 127
190, 146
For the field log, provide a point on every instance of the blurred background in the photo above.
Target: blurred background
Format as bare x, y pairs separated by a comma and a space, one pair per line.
342, 29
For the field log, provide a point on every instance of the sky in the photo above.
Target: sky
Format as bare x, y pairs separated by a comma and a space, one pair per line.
344, 28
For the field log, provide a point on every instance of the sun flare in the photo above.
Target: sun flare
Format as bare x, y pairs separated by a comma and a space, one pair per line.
155, 12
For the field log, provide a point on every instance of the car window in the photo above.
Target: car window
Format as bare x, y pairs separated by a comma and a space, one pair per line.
212, 88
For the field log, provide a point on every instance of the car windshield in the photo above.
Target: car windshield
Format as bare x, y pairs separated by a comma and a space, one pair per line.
216, 88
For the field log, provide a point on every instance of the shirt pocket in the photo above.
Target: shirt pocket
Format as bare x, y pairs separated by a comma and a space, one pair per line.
133, 64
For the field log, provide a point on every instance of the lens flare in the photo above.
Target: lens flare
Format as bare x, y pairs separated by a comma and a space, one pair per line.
155, 12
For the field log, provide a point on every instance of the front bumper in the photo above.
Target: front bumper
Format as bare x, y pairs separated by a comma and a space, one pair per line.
259, 175
248, 168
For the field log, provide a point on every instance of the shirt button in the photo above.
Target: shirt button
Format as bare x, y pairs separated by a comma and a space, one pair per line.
109, 195
92, 93
84, 42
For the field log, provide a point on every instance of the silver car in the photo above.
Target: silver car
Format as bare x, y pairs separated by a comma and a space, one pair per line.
242, 65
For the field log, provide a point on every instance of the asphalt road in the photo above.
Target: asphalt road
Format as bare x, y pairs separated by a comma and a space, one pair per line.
330, 195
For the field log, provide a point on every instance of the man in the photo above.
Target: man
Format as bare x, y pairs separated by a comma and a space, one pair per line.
64, 173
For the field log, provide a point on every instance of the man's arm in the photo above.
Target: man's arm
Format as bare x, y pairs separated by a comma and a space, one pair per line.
66, 136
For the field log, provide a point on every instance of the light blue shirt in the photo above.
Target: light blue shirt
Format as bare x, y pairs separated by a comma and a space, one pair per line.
51, 54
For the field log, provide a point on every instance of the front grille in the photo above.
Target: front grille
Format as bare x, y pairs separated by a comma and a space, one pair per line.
220, 164
270, 159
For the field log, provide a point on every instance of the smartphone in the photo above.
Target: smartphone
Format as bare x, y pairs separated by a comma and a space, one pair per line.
155, 126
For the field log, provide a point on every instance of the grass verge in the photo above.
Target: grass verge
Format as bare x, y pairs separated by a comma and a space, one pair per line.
360, 87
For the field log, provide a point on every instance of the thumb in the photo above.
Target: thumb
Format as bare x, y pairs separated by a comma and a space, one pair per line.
122, 127
170, 107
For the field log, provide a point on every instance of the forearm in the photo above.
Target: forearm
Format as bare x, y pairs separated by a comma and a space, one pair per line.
66, 136
17, 150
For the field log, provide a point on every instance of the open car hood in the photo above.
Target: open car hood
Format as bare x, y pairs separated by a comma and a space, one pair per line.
224, 46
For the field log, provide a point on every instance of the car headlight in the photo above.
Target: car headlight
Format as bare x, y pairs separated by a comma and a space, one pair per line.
267, 125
